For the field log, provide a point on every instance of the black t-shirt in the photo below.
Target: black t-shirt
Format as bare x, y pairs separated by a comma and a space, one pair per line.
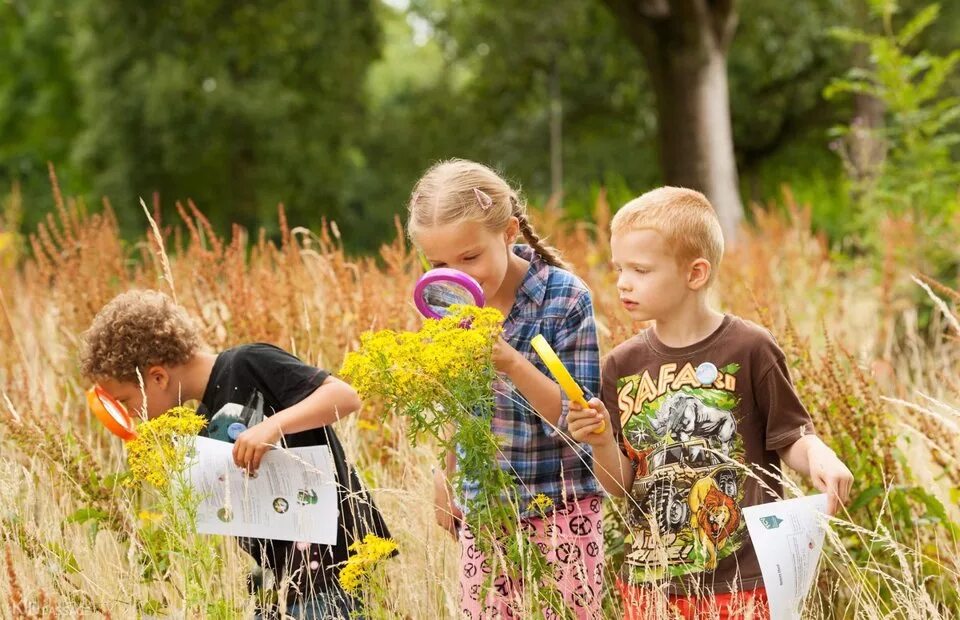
254, 381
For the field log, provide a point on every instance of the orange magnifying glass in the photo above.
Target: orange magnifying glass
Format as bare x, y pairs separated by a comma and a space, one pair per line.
111, 413
567, 383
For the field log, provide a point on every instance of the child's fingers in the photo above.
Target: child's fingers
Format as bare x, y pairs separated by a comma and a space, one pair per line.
841, 492
601, 425
581, 430
580, 424
833, 496
246, 456
585, 420
255, 459
258, 453
600, 414
843, 488
822, 484
596, 403
591, 411
239, 458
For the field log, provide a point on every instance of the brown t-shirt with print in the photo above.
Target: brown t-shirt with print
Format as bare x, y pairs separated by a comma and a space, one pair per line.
694, 420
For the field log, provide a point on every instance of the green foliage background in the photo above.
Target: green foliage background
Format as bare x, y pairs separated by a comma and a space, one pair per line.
335, 107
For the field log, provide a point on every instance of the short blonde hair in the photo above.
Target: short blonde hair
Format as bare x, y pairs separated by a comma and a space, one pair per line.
460, 190
134, 331
683, 216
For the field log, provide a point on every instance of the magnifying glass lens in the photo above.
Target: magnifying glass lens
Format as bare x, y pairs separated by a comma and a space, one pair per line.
440, 288
111, 413
441, 295
115, 409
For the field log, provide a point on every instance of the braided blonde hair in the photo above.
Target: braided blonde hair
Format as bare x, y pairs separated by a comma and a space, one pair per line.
459, 190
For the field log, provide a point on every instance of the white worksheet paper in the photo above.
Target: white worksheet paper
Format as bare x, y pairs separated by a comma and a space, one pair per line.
788, 538
292, 497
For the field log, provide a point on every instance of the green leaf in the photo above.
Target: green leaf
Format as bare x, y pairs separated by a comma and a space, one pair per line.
842, 87
67, 560
883, 8
115, 480
918, 24
730, 369
866, 496
936, 512
87, 514
152, 607
849, 35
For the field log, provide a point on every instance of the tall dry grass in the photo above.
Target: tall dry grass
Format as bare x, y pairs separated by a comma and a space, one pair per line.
874, 357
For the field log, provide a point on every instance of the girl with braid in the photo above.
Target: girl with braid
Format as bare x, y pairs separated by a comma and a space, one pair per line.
463, 215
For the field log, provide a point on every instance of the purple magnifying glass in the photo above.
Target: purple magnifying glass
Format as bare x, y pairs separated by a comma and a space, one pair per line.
440, 288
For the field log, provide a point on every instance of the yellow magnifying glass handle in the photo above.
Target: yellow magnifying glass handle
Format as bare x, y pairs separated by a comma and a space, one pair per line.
561, 374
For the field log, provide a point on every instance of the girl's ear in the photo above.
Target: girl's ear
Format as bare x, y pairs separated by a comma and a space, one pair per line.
699, 274
512, 230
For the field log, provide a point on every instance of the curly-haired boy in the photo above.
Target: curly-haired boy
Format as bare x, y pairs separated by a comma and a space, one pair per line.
143, 344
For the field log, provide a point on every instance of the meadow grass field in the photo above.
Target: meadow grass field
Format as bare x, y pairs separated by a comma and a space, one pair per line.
873, 344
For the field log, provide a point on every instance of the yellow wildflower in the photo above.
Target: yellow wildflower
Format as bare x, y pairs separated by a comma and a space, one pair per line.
373, 547
155, 452
541, 503
418, 367
351, 576
150, 517
366, 425
366, 555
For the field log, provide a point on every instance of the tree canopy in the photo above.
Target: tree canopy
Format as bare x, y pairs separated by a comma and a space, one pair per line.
334, 108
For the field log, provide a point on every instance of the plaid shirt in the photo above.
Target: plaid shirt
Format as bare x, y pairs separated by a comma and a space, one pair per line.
540, 457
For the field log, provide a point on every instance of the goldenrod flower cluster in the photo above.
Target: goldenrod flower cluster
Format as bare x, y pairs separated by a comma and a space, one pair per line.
429, 365
541, 503
366, 554
155, 453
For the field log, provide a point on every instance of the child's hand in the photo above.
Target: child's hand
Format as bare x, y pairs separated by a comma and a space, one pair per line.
829, 475
446, 513
254, 442
504, 356
590, 426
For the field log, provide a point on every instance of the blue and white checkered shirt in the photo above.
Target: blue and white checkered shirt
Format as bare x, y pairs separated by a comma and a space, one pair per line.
542, 458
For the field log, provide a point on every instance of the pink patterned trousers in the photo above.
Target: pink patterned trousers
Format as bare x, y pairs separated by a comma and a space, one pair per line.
571, 539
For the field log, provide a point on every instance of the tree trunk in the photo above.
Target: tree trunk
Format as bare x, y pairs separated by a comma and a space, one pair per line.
866, 148
685, 44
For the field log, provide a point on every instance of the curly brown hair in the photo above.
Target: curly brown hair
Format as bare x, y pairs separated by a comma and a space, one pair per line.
136, 330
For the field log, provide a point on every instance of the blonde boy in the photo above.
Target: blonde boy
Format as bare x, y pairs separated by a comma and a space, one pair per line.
701, 398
